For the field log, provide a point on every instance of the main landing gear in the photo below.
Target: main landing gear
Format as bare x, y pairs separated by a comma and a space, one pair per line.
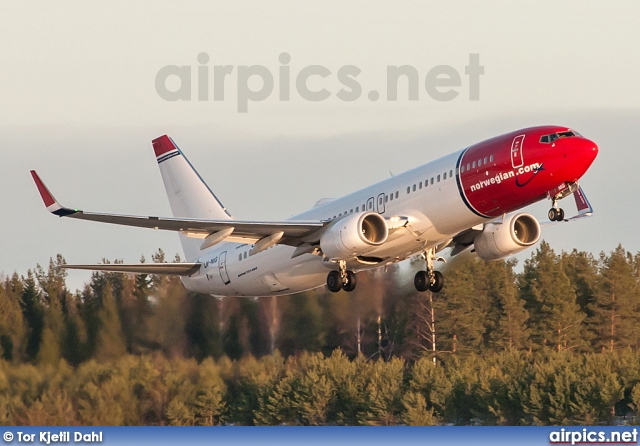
341, 280
430, 279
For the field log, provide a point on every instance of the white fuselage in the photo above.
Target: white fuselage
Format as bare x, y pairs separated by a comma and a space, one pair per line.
435, 214
454, 202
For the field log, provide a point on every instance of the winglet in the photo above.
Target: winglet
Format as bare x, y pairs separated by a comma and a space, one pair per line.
47, 197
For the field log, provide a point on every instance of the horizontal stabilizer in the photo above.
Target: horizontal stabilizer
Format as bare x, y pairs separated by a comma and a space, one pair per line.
174, 269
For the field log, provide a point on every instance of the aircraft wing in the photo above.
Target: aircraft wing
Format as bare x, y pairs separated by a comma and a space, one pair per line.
287, 231
176, 269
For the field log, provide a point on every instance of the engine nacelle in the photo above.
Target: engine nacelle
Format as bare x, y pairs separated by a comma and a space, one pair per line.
499, 240
354, 235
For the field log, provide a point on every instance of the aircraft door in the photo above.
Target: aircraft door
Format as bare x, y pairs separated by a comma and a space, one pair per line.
222, 267
517, 159
370, 203
380, 203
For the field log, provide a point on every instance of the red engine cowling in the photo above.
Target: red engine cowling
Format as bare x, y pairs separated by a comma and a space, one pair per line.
499, 240
354, 235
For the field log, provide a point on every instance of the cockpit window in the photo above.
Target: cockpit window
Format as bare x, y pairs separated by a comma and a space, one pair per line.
546, 139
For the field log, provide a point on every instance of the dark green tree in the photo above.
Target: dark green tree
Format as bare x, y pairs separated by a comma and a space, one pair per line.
12, 324
111, 343
507, 317
555, 319
616, 303
462, 309
32, 310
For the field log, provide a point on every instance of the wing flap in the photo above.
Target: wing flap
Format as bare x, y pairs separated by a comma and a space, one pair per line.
291, 228
175, 269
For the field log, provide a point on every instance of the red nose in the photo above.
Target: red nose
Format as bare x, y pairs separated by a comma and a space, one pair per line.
589, 150
582, 154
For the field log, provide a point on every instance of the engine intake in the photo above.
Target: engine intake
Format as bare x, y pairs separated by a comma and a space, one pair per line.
499, 240
354, 235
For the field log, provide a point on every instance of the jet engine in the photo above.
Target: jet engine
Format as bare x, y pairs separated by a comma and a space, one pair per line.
354, 235
498, 240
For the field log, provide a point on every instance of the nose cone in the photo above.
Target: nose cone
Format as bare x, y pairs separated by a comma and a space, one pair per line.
582, 154
592, 149
589, 150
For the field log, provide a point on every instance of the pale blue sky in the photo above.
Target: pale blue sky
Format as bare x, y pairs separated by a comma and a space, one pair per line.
79, 105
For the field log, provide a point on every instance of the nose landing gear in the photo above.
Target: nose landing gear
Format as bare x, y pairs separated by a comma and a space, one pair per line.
556, 213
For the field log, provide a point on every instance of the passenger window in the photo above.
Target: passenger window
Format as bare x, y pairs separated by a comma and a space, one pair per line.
473, 165
451, 173
462, 169
480, 162
408, 189
445, 176
240, 257
386, 198
420, 185
351, 211
391, 197
245, 254
396, 194
431, 180
491, 159
438, 178
468, 166
414, 187
486, 160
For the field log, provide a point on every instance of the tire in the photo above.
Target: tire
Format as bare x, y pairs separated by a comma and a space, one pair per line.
438, 282
560, 214
421, 281
351, 282
553, 214
334, 281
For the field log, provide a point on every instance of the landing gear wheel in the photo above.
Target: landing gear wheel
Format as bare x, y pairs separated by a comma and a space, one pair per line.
334, 281
437, 283
556, 214
351, 281
421, 281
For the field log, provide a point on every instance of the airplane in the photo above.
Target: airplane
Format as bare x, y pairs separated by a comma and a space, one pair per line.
466, 202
